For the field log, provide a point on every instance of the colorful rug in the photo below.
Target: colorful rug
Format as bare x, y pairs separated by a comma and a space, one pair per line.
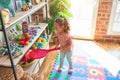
85, 68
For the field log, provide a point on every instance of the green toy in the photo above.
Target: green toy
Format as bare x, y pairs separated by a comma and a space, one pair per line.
18, 27
7, 4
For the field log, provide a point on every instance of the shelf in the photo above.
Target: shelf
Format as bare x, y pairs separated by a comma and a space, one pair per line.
5, 61
22, 14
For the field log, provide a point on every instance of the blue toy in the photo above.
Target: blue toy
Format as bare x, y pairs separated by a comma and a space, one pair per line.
7, 4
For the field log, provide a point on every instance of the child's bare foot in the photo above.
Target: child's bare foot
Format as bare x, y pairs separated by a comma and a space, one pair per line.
70, 71
59, 69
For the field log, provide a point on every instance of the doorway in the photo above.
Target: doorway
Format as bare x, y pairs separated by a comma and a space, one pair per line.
83, 22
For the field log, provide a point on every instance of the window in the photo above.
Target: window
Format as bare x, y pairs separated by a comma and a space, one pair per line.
83, 22
114, 23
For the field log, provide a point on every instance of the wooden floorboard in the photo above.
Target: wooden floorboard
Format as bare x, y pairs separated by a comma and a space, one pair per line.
109, 45
112, 47
48, 64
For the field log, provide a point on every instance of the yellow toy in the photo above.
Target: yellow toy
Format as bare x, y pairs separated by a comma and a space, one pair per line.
5, 14
43, 40
39, 40
36, 1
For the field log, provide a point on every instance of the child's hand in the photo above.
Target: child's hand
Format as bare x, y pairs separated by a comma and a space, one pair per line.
62, 47
57, 45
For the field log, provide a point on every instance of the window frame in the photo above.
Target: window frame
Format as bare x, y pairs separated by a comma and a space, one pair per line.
112, 17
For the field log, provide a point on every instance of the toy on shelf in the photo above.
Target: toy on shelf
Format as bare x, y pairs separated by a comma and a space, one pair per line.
34, 46
23, 39
33, 32
25, 27
26, 6
7, 4
19, 28
12, 33
44, 38
15, 50
34, 27
36, 2
29, 3
37, 54
5, 14
41, 42
3, 51
27, 36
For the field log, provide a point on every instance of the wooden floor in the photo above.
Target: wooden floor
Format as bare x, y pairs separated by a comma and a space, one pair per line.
50, 59
112, 47
109, 45
48, 64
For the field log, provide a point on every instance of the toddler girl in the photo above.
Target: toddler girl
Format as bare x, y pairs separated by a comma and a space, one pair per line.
65, 41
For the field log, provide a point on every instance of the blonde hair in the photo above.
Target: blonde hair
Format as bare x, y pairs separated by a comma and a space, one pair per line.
63, 22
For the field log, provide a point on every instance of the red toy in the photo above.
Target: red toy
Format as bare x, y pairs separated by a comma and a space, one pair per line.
37, 54
23, 42
27, 36
23, 39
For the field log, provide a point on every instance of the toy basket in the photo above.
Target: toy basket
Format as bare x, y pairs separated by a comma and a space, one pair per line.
27, 64
7, 73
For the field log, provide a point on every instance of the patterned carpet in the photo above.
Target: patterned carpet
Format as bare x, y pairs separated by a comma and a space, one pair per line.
85, 68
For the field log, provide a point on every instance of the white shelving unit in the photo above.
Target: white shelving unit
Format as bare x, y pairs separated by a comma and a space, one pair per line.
34, 68
8, 60
5, 61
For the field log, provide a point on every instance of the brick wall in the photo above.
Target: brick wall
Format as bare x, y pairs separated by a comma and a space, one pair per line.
102, 22
41, 13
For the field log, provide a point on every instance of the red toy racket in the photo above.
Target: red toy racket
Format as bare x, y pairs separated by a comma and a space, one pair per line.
37, 54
